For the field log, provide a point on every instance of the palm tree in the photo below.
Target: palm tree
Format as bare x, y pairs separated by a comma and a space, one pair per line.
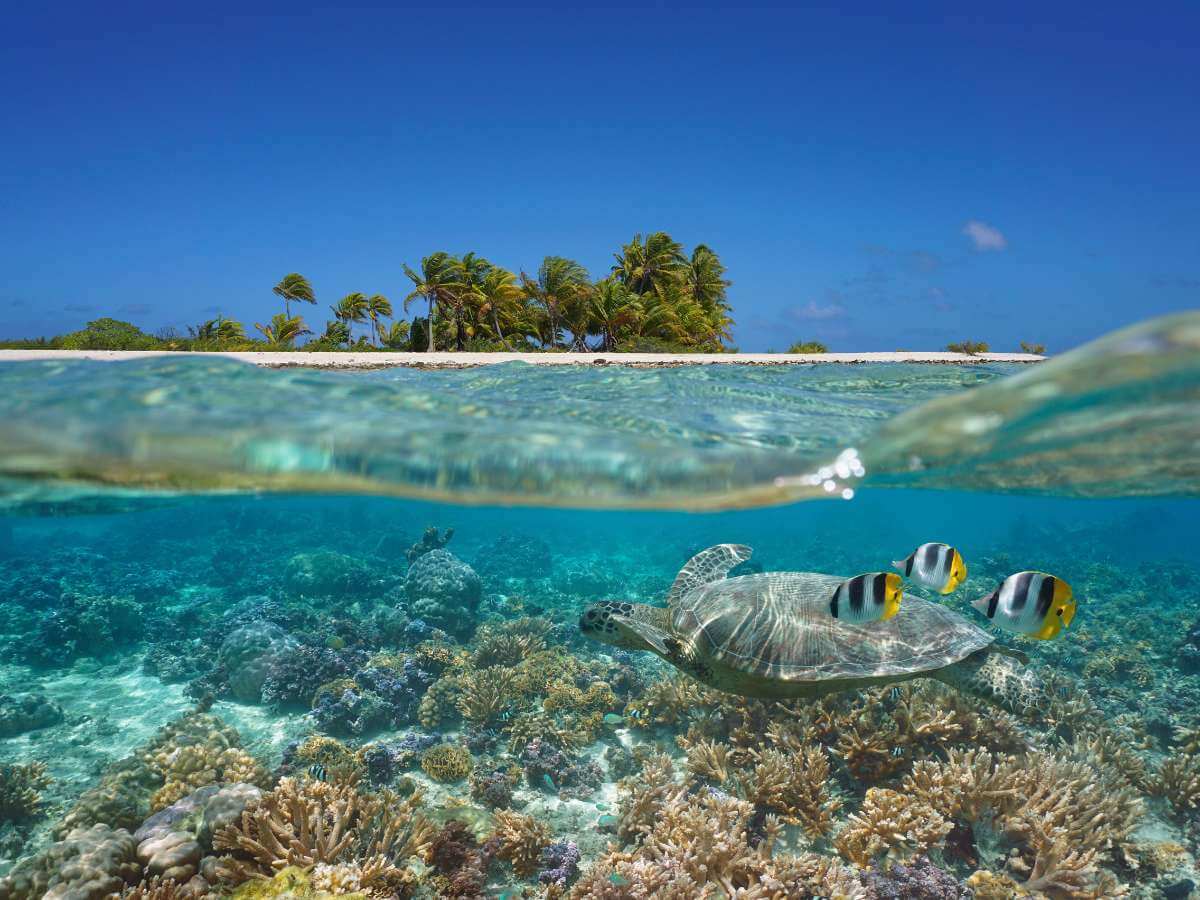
503, 301
705, 277
643, 266
434, 282
395, 336
283, 330
470, 272
294, 288
219, 329
614, 311
351, 309
558, 281
336, 333
378, 307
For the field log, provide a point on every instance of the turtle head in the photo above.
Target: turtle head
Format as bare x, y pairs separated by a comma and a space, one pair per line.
621, 624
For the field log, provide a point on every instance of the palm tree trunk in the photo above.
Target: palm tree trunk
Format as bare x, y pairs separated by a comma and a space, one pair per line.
429, 325
499, 333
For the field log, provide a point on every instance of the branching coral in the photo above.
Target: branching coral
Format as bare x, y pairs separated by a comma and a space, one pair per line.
891, 826
701, 847
795, 786
522, 839
20, 791
312, 823
339, 761
1179, 782
483, 695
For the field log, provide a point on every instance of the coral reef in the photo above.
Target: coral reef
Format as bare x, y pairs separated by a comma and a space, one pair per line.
20, 790
87, 864
446, 762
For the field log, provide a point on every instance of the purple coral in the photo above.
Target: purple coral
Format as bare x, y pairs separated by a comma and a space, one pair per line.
548, 768
560, 863
919, 880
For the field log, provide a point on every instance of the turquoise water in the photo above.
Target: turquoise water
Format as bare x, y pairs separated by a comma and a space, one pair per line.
236, 555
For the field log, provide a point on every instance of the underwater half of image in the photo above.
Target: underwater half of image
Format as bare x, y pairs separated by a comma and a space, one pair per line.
249, 648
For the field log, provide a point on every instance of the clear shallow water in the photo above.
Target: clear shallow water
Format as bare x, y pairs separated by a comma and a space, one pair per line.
119, 603
1116, 418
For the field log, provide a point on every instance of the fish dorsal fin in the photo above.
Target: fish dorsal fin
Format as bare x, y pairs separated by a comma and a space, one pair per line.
706, 567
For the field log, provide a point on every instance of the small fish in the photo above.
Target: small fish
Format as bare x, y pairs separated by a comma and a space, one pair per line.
613, 719
606, 821
601, 805
317, 772
618, 880
897, 751
874, 597
548, 781
895, 693
936, 566
1034, 604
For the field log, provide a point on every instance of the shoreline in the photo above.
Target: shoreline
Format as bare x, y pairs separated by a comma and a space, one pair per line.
448, 360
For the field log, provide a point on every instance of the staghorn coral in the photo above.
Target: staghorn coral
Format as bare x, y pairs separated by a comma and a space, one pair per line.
484, 695
665, 702
708, 760
795, 786
447, 762
1179, 782
700, 847
313, 823
20, 791
892, 826
521, 841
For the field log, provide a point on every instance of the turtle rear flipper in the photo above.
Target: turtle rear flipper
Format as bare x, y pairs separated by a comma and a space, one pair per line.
706, 567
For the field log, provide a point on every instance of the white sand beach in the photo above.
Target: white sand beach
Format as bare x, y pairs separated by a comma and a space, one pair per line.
383, 360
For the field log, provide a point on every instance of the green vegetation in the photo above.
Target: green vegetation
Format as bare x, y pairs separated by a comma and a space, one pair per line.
808, 347
1036, 349
971, 348
655, 298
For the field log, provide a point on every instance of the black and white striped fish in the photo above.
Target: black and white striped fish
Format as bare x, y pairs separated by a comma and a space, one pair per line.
936, 566
317, 772
874, 597
1030, 603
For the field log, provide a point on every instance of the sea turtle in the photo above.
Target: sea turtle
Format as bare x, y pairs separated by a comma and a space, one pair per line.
771, 635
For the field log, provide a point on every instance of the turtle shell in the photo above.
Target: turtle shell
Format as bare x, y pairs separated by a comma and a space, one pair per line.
777, 625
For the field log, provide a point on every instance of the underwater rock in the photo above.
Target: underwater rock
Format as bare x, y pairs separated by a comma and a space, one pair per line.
350, 712
293, 678
27, 713
248, 654
516, 556
444, 591
87, 864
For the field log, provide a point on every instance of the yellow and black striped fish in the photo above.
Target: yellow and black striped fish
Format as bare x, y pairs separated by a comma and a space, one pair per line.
1030, 603
936, 566
874, 597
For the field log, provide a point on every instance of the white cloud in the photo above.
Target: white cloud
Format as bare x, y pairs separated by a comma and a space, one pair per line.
814, 310
984, 236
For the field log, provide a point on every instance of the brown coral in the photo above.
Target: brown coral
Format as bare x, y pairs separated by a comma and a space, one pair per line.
313, 823
446, 762
891, 826
1179, 782
521, 840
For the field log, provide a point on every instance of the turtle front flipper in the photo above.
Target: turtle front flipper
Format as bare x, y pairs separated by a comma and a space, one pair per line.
706, 567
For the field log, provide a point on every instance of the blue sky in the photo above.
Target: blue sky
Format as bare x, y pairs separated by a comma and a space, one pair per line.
883, 180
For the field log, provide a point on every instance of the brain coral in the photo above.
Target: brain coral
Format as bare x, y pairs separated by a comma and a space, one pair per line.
446, 762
